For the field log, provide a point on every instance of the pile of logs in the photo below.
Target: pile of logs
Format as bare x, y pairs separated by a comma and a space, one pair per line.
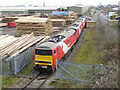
68, 19
9, 19
72, 15
58, 22
11, 46
2, 25
36, 25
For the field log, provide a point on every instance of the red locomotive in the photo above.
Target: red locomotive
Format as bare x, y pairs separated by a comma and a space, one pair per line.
58, 46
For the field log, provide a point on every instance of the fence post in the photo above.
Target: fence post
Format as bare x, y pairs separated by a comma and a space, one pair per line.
101, 67
15, 65
98, 67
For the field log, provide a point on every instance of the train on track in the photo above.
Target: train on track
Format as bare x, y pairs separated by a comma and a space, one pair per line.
58, 46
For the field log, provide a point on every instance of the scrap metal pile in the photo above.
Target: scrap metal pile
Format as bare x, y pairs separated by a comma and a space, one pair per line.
11, 46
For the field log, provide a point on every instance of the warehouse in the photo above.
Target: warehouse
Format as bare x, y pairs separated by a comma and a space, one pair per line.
26, 10
45, 10
78, 9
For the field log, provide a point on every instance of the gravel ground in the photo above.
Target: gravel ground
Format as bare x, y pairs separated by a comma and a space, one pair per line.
9, 31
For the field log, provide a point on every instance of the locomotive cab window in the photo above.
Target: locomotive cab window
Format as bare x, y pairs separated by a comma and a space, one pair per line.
43, 52
54, 52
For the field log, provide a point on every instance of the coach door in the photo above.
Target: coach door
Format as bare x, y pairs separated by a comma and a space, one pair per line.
58, 53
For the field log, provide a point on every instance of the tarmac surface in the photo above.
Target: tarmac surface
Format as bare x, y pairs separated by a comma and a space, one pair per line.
9, 31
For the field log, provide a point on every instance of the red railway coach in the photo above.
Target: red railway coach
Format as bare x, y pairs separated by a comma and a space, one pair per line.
57, 47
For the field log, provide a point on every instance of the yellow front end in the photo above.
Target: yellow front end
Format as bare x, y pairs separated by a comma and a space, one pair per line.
43, 60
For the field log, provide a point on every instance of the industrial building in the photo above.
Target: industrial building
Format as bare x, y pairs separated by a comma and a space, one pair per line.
26, 10
78, 9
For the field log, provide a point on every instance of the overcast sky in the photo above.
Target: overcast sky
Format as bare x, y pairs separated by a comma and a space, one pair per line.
56, 2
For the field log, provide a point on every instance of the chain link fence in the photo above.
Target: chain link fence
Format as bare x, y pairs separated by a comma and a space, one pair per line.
15, 64
78, 72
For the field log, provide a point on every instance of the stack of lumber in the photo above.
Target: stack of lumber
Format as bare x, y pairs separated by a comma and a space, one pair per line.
72, 15
57, 29
91, 24
11, 46
113, 22
36, 25
0, 20
69, 21
58, 22
9, 19
2, 25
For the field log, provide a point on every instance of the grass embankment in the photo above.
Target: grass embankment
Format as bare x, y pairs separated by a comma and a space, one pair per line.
11, 80
99, 46
88, 52
8, 81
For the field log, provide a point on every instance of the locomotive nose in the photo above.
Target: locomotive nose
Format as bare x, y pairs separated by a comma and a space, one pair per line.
43, 60
43, 57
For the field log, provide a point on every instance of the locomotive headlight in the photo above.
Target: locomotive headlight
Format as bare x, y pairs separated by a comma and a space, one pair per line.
35, 62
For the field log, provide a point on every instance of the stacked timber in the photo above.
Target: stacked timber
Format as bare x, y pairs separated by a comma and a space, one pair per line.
9, 19
70, 18
69, 21
57, 29
58, 22
11, 46
113, 22
39, 26
0, 20
72, 15
91, 24
2, 25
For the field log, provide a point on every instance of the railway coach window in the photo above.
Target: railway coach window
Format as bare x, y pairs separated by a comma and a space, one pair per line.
43, 52
68, 41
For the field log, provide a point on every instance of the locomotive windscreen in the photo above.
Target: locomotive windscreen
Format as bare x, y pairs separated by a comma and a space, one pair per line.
43, 52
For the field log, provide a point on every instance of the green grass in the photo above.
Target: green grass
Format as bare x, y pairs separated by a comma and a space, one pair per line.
8, 81
11, 80
87, 53
27, 69
52, 83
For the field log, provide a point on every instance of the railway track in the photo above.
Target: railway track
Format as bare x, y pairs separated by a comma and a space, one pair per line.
37, 82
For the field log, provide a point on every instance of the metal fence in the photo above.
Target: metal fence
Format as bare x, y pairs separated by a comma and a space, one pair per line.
78, 72
15, 64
